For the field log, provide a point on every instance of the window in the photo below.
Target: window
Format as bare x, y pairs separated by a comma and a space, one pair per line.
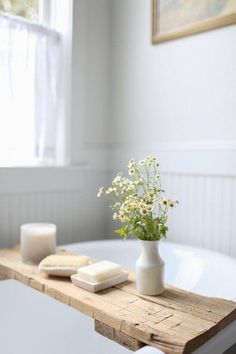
30, 86
25, 8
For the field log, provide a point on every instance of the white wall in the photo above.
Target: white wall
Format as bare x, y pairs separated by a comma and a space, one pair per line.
91, 62
181, 90
177, 99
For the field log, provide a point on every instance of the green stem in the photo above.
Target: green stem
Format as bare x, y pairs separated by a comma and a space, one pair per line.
145, 183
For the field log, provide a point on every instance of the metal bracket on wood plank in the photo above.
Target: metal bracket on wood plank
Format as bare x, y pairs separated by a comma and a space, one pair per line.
117, 336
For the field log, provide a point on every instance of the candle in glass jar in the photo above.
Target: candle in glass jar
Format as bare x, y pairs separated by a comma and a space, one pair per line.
38, 240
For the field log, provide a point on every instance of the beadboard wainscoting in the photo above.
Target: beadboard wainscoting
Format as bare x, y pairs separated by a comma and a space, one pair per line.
64, 196
202, 176
206, 215
59, 207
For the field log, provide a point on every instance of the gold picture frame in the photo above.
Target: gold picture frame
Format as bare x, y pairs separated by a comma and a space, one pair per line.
220, 20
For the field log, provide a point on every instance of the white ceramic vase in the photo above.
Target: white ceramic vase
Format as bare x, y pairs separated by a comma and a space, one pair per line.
150, 269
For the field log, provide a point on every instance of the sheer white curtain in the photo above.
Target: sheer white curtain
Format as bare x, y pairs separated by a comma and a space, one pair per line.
30, 80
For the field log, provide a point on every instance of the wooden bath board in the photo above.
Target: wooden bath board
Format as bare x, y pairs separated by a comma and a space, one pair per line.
175, 322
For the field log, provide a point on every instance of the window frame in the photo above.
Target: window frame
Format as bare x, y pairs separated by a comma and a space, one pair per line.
58, 15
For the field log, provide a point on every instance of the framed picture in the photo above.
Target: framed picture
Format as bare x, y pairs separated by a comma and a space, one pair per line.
172, 19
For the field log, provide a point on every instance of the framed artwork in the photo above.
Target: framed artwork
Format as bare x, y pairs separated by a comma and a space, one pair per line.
172, 19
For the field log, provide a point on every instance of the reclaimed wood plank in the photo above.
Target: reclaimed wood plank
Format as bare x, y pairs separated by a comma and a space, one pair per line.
117, 336
175, 322
200, 306
3, 277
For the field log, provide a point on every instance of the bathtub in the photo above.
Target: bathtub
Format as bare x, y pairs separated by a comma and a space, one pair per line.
32, 323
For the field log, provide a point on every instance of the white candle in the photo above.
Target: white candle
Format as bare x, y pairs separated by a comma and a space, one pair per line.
38, 240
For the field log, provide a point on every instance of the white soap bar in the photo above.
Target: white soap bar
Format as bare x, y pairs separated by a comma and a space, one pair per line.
99, 271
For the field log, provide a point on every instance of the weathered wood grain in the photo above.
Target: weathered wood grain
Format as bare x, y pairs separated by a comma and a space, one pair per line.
2, 277
117, 336
175, 322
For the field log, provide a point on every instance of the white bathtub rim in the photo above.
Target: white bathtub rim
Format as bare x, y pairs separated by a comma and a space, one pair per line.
199, 250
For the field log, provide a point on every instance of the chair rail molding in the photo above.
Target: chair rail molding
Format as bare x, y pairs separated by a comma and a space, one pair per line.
206, 158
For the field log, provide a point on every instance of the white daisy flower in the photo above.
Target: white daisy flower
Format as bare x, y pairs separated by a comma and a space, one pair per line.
141, 162
164, 201
131, 163
100, 192
131, 172
172, 203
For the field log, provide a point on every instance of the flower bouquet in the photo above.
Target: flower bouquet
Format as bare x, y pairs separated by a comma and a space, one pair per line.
140, 205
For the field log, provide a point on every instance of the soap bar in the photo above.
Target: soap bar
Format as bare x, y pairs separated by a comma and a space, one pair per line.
105, 284
63, 265
99, 271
